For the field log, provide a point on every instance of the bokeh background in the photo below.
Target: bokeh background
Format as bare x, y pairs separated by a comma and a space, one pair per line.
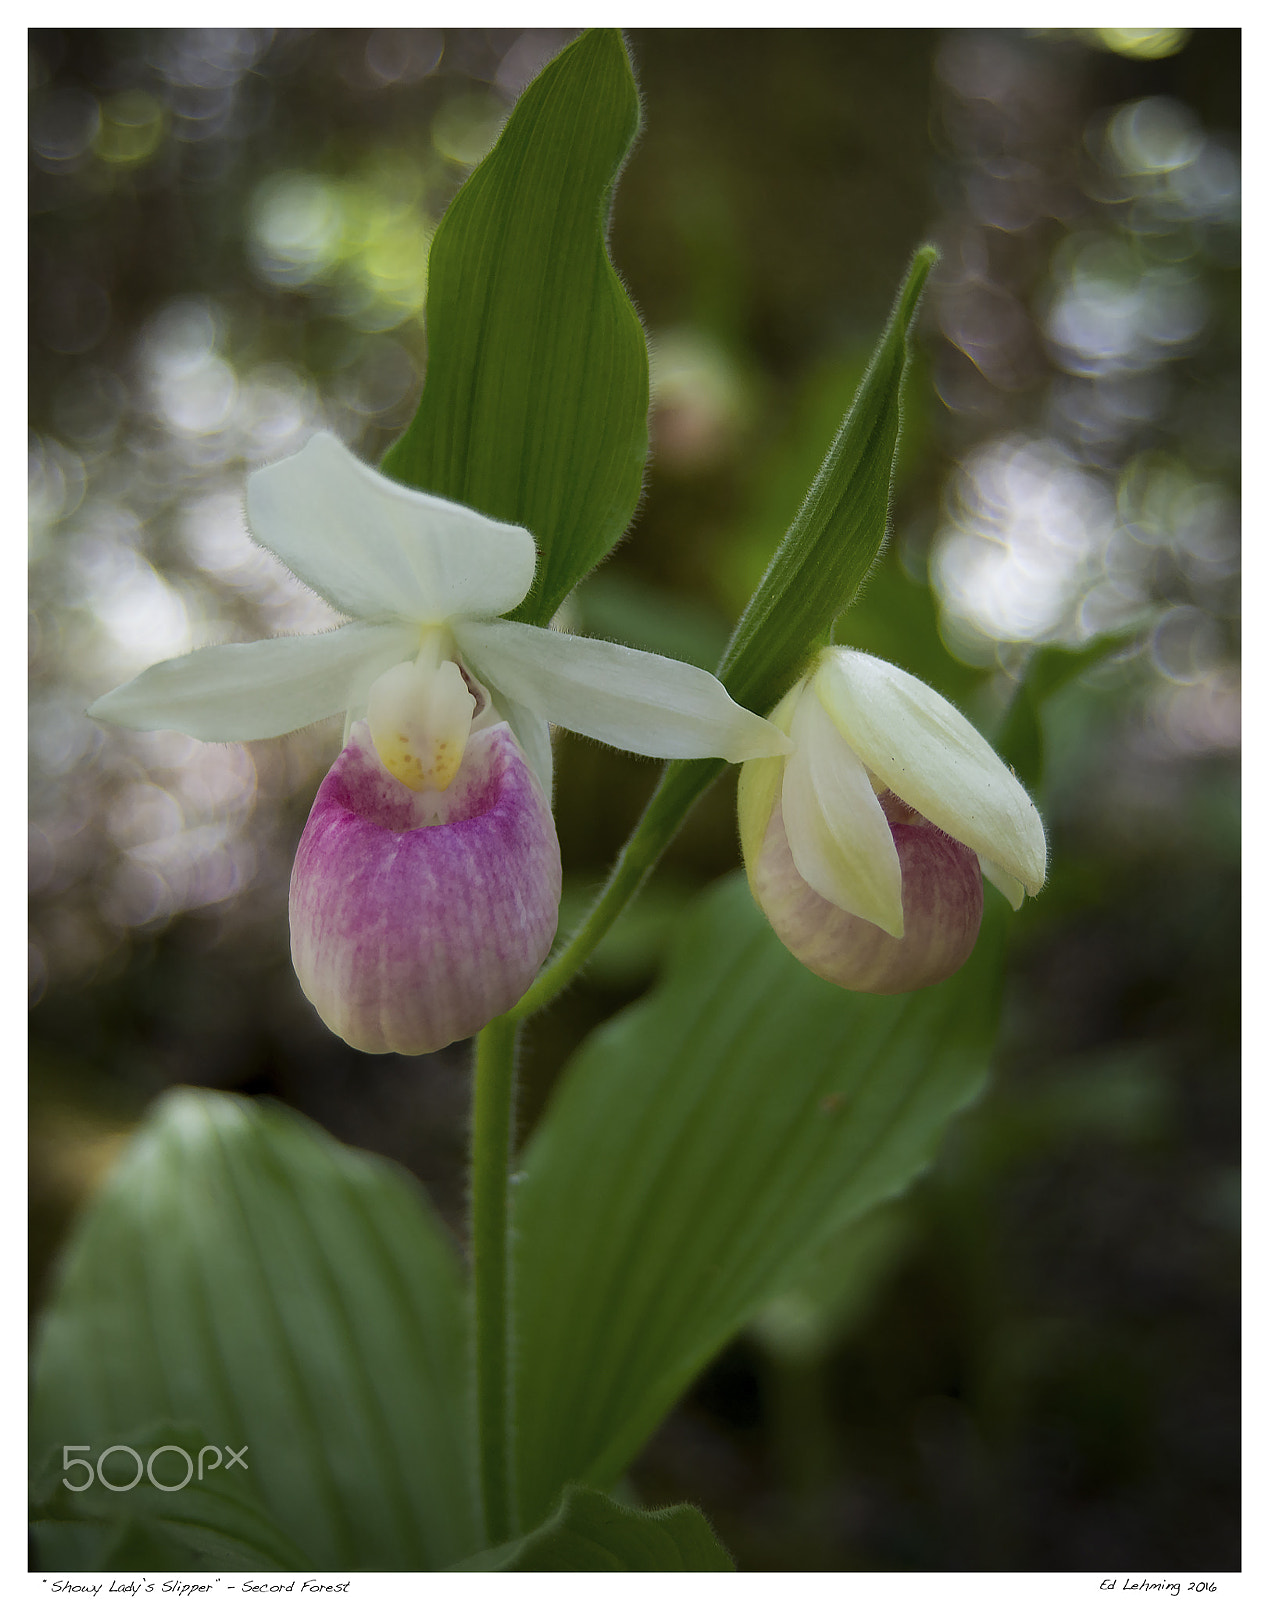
1032, 1361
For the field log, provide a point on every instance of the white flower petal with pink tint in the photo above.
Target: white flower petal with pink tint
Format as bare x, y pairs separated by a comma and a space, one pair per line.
416, 918
867, 847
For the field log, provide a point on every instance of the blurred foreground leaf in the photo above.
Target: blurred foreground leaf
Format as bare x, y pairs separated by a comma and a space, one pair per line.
838, 1287
213, 1524
699, 1152
591, 1533
244, 1275
535, 405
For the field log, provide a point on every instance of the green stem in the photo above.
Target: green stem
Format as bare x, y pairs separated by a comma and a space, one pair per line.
682, 783
491, 1144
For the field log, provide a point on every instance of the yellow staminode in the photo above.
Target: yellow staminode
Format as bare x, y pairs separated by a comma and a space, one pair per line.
420, 716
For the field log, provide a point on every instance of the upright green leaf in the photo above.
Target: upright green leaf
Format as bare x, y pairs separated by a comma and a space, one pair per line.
701, 1149
836, 536
534, 408
591, 1533
243, 1274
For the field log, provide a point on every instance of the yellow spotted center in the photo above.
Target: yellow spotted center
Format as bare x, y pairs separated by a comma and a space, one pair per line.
420, 716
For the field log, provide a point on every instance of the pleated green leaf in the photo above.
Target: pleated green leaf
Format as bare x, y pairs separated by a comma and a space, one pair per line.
700, 1150
213, 1524
838, 1288
243, 1274
591, 1533
839, 531
534, 408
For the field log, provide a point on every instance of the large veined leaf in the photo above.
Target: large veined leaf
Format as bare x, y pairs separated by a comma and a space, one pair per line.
838, 1288
591, 1533
210, 1523
244, 1275
534, 408
700, 1150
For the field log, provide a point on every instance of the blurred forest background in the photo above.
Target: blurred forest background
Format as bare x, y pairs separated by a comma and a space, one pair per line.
1032, 1361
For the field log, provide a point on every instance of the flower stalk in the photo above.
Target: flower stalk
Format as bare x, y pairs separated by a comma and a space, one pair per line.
682, 783
492, 1142
492, 1136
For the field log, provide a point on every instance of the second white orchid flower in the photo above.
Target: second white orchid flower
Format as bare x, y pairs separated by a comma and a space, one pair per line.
426, 885
864, 846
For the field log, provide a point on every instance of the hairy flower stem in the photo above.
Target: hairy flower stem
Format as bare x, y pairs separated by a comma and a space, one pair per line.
492, 1134
682, 783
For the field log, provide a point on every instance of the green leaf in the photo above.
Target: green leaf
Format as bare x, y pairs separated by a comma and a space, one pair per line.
616, 605
899, 621
591, 1533
213, 1524
535, 405
838, 1289
838, 533
699, 1152
243, 1274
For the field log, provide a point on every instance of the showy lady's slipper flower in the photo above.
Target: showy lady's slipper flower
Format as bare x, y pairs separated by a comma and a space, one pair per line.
426, 886
864, 847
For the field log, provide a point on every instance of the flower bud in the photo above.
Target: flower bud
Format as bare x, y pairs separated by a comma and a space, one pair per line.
867, 846
942, 909
419, 916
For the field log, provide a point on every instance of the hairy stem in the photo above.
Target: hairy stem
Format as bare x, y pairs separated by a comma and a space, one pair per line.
491, 1141
682, 783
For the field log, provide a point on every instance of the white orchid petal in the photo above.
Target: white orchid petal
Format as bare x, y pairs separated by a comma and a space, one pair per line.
934, 759
758, 787
533, 736
838, 834
628, 698
375, 549
260, 690
1004, 881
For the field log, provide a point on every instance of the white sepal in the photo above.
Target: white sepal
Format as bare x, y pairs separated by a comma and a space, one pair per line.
934, 759
376, 549
628, 698
259, 690
838, 834
533, 736
1004, 881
